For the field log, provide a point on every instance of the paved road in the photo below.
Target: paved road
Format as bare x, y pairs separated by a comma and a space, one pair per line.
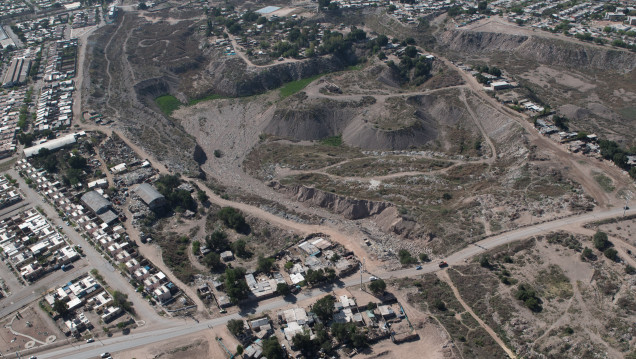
94, 259
114, 345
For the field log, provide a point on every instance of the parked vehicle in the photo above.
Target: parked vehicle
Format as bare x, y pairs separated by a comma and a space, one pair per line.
443, 264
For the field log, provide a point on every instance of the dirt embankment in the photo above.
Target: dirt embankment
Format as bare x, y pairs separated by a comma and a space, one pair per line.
539, 49
347, 207
233, 77
372, 122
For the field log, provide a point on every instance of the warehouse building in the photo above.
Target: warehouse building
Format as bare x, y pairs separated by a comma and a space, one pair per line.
150, 196
51, 145
100, 206
17, 73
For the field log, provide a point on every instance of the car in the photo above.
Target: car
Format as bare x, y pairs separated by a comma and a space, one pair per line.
105, 355
33, 357
90, 340
418, 267
443, 264
372, 278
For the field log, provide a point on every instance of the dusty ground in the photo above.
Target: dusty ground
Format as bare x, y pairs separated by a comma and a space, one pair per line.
16, 334
204, 345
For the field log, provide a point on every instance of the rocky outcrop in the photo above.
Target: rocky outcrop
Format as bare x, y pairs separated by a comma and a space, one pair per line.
347, 207
540, 49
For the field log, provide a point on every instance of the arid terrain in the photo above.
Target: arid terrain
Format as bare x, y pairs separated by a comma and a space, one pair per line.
484, 171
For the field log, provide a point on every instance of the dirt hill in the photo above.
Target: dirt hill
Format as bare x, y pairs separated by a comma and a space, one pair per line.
540, 49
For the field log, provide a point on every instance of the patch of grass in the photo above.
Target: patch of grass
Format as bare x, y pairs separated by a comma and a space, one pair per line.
605, 182
293, 87
628, 112
168, 104
334, 141
206, 98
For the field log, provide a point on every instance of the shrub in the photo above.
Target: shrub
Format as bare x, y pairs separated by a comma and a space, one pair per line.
405, 257
232, 218
601, 242
377, 287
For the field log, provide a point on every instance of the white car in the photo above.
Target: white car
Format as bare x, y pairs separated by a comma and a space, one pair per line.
105, 355
372, 278
90, 340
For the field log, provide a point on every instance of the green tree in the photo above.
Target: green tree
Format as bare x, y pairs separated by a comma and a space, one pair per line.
236, 327
410, 51
272, 349
323, 308
235, 284
611, 253
377, 287
218, 242
283, 289
528, 295
323, 3
424, 257
315, 276
264, 264
212, 260
60, 307
588, 254
303, 342
405, 257
121, 300
240, 248
601, 242
232, 218
203, 197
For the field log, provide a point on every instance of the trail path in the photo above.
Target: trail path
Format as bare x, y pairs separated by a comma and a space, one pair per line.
443, 275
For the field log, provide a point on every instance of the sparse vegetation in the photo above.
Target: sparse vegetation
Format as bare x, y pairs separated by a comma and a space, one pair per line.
168, 104
293, 87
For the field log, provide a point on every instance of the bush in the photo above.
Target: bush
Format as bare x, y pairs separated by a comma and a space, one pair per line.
588, 254
235, 326
440, 305
601, 242
424, 257
528, 295
377, 287
272, 349
265, 264
611, 253
405, 257
232, 218
484, 261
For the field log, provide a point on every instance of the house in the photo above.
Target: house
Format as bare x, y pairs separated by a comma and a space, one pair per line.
110, 313
386, 311
162, 293
500, 85
227, 256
